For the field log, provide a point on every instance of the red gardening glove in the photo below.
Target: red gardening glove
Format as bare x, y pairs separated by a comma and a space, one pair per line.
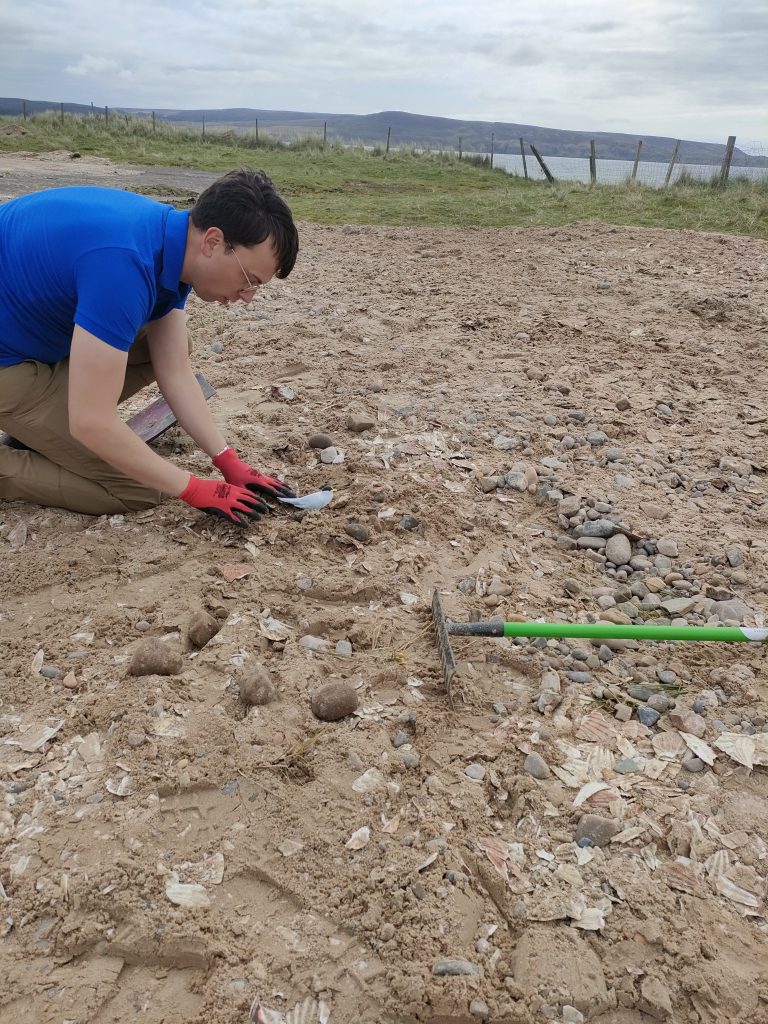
237, 472
235, 504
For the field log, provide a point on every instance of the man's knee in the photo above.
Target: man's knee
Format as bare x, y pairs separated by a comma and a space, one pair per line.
136, 500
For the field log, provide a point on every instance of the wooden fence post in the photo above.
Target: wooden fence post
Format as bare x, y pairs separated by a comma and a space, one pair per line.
24, 109
672, 163
637, 159
325, 133
203, 129
726, 168
493, 139
592, 162
389, 135
522, 153
548, 174
154, 123
61, 112
459, 147
106, 115
257, 130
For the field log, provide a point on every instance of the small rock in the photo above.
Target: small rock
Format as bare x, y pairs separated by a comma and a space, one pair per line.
579, 677
409, 758
734, 610
399, 739
357, 531
201, 628
51, 672
387, 931
623, 712
475, 772
689, 721
666, 676
454, 969
571, 1015
598, 830
333, 702
331, 456
618, 549
667, 546
694, 764
358, 422
321, 441
409, 522
155, 658
136, 739
648, 717
623, 405
639, 692
655, 999
660, 702
480, 1009
597, 438
537, 767
627, 766
256, 686
314, 643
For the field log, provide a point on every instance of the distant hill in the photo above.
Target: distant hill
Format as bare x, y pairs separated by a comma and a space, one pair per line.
421, 130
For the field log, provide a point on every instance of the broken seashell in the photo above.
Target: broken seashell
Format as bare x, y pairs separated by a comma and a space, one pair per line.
368, 781
699, 747
359, 839
120, 787
186, 895
734, 892
738, 747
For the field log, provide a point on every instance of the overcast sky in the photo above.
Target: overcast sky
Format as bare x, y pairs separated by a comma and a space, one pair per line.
694, 69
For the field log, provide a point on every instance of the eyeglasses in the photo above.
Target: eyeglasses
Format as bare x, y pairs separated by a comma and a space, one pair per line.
251, 286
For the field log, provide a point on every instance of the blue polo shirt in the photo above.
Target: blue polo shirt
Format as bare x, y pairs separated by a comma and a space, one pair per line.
107, 260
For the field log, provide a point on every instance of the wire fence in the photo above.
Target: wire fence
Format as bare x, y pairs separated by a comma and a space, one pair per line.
529, 162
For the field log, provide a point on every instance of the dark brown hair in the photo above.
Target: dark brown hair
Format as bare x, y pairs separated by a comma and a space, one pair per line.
248, 210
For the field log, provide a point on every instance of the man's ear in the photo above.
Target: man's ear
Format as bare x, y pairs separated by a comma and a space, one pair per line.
211, 240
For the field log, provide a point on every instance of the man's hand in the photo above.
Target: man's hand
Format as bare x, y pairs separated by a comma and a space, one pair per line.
235, 504
241, 474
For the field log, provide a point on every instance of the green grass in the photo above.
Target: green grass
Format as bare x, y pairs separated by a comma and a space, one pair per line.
339, 185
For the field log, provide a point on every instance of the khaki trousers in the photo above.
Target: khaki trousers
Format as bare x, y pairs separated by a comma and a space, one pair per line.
58, 470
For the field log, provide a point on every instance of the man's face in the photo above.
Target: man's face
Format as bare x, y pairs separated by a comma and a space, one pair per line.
231, 272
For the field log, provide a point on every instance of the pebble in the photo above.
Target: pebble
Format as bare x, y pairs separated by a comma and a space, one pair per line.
330, 456
667, 546
475, 771
409, 758
454, 968
480, 1009
639, 692
333, 702
571, 1015
409, 522
136, 739
694, 764
344, 649
595, 528
623, 712
51, 672
399, 739
387, 931
320, 441
256, 687
666, 676
314, 643
499, 707
536, 766
648, 717
155, 658
618, 549
660, 702
579, 677
202, 628
597, 438
357, 531
598, 830
358, 422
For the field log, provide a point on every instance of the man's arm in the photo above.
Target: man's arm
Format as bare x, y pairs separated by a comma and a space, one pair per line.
169, 351
96, 379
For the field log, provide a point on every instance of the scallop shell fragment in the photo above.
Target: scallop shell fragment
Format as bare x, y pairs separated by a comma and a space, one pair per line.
359, 839
738, 747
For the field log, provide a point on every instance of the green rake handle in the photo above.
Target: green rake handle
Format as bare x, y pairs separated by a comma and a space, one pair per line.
609, 631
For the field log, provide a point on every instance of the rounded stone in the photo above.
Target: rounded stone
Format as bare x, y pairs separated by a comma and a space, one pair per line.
333, 702
357, 531
202, 628
320, 441
155, 658
257, 687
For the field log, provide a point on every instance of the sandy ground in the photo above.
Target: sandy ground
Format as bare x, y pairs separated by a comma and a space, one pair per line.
474, 356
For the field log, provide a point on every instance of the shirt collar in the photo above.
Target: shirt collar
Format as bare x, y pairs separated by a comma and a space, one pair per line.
174, 247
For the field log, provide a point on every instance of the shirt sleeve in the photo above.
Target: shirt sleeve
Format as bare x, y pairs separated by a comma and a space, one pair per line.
115, 293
